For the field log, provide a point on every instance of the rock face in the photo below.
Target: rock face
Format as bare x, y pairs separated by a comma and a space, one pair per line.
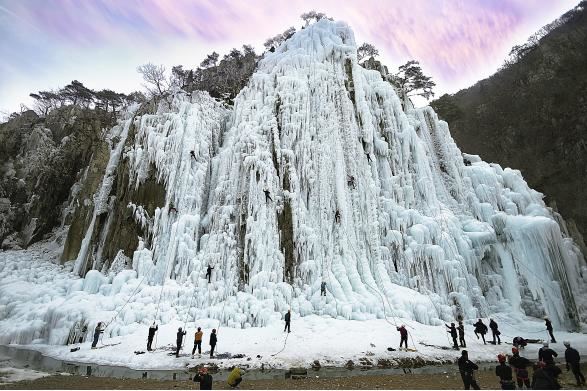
318, 174
532, 115
41, 160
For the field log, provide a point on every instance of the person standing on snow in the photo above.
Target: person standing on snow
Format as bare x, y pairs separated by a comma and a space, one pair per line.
403, 335
287, 321
97, 331
337, 216
209, 273
180, 334
520, 365
549, 329
453, 333
461, 330
480, 328
504, 372
573, 359
198, 341
467, 370
546, 354
213, 341
152, 330
494, 331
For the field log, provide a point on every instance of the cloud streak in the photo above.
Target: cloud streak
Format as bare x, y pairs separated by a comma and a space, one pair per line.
457, 41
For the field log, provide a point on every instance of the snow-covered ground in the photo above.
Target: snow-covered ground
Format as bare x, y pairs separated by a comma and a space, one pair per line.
30, 284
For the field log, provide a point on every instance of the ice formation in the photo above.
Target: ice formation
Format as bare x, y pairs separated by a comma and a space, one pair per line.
419, 234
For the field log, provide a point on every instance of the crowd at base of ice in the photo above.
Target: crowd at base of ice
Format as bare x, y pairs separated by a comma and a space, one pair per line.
32, 291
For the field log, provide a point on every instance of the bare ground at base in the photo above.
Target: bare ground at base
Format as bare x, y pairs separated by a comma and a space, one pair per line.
486, 379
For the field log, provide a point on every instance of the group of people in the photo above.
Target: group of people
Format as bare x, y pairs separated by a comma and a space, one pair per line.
514, 371
205, 378
198, 337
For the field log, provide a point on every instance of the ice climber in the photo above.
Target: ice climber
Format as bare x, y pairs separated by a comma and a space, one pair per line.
549, 329
573, 359
235, 377
204, 378
520, 365
323, 288
180, 334
267, 195
97, 331
453, 333
494, 331
368, 158
542, 380
351, 182
213, 341
467, 370
546, 354
403, 335
192, 154
198, 341
461, 330
504, 372
337, 216
152, 330
172, 208
209, 273
287, 321
480, 328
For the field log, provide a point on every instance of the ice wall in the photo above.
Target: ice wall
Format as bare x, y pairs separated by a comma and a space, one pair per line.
369, 196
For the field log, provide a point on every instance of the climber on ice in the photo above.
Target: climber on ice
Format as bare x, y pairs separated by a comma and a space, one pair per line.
267, 195
480, 328
287, 321
549, 329
351, 182
209, 273
453, 333
403, 335
323, 288
368, 158
152, 330
461, 330
172, 208
337, 216
180, 334
97, 331
494, 331
193, 154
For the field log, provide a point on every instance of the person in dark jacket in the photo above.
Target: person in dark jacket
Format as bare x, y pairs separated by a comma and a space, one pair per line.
179, 341
546, 354
549, 329
480, 328
213, 341
542, 380
553, 371
519, 342
351, 182
403, 336
453, 333
494, 331
209, 272
204, 378
267, 195
467, 370
504, 372
287, 321
461, 330
323, 288
152, 330
97, 331
520, 365
573, 359
337, 216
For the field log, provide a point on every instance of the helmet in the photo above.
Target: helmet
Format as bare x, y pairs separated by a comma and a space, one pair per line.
452, 324
179, 329
515, 350
567, 343
501, 358
545, 344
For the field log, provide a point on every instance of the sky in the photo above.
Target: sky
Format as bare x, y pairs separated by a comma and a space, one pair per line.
45, 44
